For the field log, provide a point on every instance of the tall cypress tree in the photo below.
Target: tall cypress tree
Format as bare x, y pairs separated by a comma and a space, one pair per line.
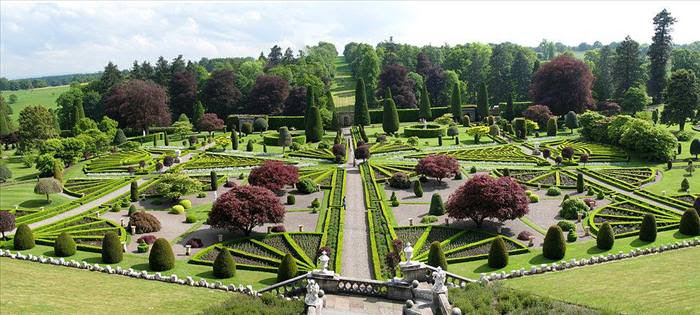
482, 101
310, 102
361, 109
659, 55
509, 111
198, 112
314, 125
79, 111
390, 117
456, 103
424, 107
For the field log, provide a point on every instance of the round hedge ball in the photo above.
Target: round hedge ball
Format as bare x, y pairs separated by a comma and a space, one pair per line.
161, 257
24, 238
64, 246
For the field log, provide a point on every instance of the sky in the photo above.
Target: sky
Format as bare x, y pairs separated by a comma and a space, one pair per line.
51, 38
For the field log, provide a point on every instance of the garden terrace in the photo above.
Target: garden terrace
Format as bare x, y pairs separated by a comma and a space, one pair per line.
385, 169
500, 154
624, 178
333, 218
323, 154
563, 179
209, 161
86, 230
319, 175
597, 152
625, 216
121, 162
387, 147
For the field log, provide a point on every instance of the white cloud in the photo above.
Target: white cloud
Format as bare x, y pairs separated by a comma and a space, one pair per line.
68, 37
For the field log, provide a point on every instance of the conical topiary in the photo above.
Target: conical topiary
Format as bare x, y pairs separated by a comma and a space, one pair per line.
64, 245
224, 265
606, 237
436, 257
690, 223
498, 255
580, 187
437, 207
111, 248
390, 116
554, 246
418, 188
647, 232
234, 140
161, 257
24, 238
287, 269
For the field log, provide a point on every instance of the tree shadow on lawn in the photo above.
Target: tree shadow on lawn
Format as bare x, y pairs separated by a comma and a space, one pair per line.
34, 203
540, 259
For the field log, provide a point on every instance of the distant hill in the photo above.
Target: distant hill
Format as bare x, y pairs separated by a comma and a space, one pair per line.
53, 80
40, 96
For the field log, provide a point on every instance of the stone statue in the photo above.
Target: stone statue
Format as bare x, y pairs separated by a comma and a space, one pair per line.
312, 290
439, 277
408, 250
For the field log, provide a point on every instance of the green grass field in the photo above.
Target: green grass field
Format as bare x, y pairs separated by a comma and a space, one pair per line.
33, 288
24, 196
42, 96
343, 88
665, 283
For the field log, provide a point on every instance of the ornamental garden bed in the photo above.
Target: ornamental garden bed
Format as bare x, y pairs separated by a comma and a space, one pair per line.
121, 162
500, 153
425, 131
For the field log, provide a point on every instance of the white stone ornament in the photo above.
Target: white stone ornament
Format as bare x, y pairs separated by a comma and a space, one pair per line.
439, 277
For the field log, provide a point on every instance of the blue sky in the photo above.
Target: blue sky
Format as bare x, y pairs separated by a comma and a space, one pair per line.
71, 37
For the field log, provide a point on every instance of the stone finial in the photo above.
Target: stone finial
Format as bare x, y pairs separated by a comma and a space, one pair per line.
323, 259
408, 250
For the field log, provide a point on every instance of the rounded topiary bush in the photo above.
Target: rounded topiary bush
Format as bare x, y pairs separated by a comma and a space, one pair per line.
111, 248
436, 257
144, 222
186, 203
571, 207
190, 218
132, 210
291, 199
534, 198
287, 269
24, 238
566, 225
553, 191
647, 232
161, 257
224, 265
428, 219
498, 254
315, 203
437, 207
690, 223
400, 180
606, 237
306, 186
554, 246
571, 236
177, 209
64, 246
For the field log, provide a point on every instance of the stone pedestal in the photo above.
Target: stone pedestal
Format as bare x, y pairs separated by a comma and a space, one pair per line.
327, 281
413, 271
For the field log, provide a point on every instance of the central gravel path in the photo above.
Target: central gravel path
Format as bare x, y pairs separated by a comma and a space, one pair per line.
356, 258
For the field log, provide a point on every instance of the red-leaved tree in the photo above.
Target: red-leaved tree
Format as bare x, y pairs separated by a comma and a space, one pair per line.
244, 207
539, 114
362, 152
138, 104
483, 197
210, 122
438, 166
267, 95
7, 222
274, 175
563, 84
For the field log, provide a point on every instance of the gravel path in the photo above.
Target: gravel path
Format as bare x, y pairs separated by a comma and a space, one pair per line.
356, 259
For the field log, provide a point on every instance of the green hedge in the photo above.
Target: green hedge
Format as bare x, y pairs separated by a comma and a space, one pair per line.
275, 122
518, 108
271, 138
420, 132
411, 114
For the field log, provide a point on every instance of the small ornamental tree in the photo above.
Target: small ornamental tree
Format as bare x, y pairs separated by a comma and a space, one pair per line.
424, 110
647, 232
134, 191
483, 197
690, 223
552, 127
7, 222
571, 120
284, 138
362, 152
390, 116
606, 237
437, 207
538, 113
288, 268
436, 257
5, 173
161, 257
418, 188
579, 183
338, 150
438, 166
274, 175
47, 186
174, 186
498, 254
554, 246
247, 128
583, 158
567, 153
244, 207
210, 122
695, 148
234, 139
260, 124
64, 246
119, 137
224, 265
111, 248
24, 238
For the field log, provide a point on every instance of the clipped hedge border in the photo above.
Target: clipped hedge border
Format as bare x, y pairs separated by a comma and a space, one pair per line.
420, 132
271, 138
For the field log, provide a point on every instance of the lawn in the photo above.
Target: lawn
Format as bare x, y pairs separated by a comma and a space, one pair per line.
24, 196
255, 278
42, 96
665, 283
578, 250
29, 287
19, 172
343, 88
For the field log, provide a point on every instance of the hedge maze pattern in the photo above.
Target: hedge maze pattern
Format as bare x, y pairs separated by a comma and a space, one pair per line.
121, 162
86, 230
216, 161
542, 178
383, 170
625, 216
499, 154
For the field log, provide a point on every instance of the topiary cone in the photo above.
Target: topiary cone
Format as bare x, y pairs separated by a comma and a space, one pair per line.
224, 265
287, 269
161, 257
437, 207
606, 237
24, 238
647, 232
436, 257
554, 246
498, 255
418, 188
690, 223
111, 248
64, 246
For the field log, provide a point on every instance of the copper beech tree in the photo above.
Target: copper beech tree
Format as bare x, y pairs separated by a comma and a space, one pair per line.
438, 166
483, 197
563, 84
244, 207
274, 175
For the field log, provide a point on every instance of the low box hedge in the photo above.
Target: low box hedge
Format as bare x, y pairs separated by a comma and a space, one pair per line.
425, 131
